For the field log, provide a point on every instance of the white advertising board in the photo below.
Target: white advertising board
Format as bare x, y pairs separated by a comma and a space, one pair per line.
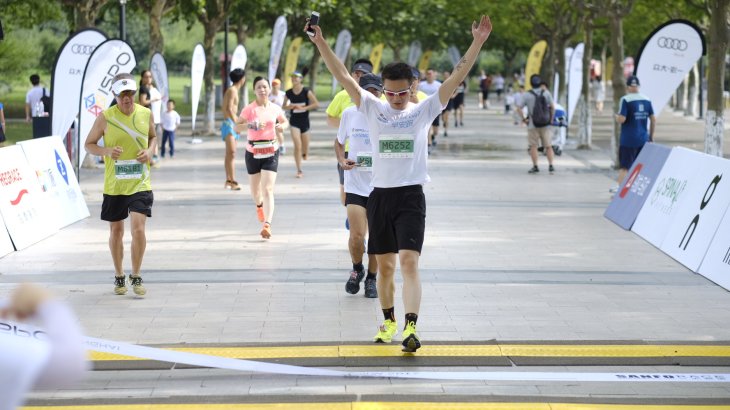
48, 158
698, 216
716, 264
6, 245
667, 195
27, 216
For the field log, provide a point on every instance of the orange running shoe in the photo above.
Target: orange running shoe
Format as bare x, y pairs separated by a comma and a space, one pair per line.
266, 231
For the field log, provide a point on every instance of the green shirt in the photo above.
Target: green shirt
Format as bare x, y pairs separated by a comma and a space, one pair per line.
126, 176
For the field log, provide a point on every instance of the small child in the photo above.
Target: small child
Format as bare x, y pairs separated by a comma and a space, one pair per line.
509, 100
170, 122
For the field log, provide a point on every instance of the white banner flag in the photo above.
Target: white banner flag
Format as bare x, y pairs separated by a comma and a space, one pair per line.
665, 58
158, 67
109, 59
239, 60
68, 71
277, 45
575, 79
342, 47
454, 55
197, 69
414, 53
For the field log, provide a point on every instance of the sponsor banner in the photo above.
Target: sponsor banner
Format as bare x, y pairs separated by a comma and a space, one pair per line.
26, 213
568, 53
696, 221
292, 59
375, 56
239, 60
716, 264
454, 55
277, 45
425, 61
414, 53
6, 245
47, 157
68, 72
197, 70
14, 330
158, 67
637, 185
666, 57
109, 59
534, 62
575, 79
666, 196
342, 47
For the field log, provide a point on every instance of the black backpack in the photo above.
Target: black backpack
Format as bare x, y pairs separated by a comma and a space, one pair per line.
541, 111
47, 101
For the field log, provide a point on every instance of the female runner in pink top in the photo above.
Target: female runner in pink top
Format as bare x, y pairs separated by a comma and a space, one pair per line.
262, 119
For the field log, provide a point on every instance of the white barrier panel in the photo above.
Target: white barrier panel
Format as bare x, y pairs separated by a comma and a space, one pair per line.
716, 265
6, 245
27, 216
666, 196
696, 221
48, 158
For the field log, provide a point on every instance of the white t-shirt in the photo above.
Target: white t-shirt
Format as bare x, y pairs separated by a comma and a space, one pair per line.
399, 140
429, 89
33, 96
354, 125
170, 120
155, 106
499, 83
277, 99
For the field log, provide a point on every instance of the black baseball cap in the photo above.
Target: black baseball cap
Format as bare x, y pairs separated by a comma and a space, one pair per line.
364, 67
370, 80
632, 81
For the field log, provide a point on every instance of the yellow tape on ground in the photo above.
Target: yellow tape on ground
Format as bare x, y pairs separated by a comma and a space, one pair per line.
393, 350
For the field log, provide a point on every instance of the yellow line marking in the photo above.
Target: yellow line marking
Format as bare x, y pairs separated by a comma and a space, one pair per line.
386, 406
507, 350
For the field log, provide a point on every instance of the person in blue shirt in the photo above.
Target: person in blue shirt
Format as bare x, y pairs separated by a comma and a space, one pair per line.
636, 117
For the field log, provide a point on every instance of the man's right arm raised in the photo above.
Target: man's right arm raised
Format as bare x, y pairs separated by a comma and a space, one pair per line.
335, 66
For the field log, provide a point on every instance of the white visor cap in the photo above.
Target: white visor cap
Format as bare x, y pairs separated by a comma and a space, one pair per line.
125, 84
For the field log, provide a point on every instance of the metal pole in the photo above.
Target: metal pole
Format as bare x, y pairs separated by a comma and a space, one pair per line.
701, 85
123, 20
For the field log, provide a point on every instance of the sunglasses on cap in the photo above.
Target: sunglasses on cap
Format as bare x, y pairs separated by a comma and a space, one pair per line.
401, 93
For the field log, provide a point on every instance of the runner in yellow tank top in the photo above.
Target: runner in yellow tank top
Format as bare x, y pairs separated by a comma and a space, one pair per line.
129, 141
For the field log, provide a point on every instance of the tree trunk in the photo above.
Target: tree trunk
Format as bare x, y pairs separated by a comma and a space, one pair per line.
396, 53
718, 45
209, 75
313, 64
694, 93
616, 43
157, 42
547, 72
585, 120
240, 33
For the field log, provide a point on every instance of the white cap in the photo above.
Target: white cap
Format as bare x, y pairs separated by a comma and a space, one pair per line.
125, 84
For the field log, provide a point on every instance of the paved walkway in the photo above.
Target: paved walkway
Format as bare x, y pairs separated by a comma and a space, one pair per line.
508, 257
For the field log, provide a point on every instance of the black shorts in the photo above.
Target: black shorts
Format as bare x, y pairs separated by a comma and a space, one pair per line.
256, 165
355, 199
300, 121
396, 219
449, 105
341, 172
627, 155
2, 135
117, 207
458, 100
435, 122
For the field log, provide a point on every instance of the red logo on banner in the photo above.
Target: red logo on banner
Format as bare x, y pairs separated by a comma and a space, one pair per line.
635, 173
20, 196
96, 110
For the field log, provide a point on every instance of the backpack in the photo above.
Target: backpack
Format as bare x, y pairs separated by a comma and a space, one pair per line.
47, 102
541, 110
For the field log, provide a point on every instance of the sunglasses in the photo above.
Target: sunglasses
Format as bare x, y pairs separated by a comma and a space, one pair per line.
401, 93
127, 93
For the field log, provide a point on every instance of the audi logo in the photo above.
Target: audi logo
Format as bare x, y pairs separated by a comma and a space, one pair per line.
672, 43
82, 49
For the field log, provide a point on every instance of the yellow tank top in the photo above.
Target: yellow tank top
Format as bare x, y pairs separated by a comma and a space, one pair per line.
126, 176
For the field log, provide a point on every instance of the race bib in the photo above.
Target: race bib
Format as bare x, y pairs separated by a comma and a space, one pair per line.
264, 149
364, 161
298, 110
396, 146
128, 169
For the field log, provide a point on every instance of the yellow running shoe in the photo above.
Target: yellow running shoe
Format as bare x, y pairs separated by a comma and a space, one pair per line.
120, 286
386, 331
411, 343
137, 287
